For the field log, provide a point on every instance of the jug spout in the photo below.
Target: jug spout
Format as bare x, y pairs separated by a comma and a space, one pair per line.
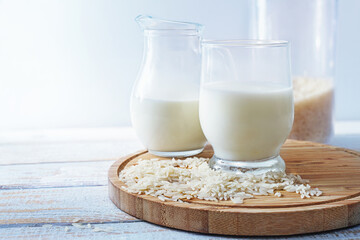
151, 23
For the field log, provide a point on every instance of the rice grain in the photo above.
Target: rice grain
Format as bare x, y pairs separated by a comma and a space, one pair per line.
179, 180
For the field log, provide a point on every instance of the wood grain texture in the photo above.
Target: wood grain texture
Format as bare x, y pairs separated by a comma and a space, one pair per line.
334, 170
141, 231
66, 145
67, 163
28, 153
47, 175
60, 135
58, 205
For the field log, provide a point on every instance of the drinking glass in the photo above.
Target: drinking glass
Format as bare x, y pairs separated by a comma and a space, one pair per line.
246, 104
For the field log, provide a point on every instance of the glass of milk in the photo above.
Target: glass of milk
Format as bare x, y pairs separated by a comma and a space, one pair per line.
165, 99
246, 103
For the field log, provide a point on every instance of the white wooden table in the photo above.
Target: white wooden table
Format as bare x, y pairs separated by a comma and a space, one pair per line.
52, 178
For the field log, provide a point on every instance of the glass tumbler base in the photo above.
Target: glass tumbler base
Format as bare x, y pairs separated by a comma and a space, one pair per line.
177, 154
255, 167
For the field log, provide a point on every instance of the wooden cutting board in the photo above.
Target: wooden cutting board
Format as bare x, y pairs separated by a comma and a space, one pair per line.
335, 171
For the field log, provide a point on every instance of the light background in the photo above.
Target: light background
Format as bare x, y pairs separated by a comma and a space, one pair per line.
72, 63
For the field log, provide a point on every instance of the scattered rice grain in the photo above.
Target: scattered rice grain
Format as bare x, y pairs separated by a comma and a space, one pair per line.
78, 225
278, 194
75, 220
98, 229
180, 180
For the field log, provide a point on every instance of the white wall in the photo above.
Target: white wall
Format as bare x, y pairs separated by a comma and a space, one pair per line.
72, 63
348, 61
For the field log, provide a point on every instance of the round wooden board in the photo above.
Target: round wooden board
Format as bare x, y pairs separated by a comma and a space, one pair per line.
335, 171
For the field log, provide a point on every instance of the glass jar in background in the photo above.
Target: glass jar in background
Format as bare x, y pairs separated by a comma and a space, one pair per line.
310, 27
165, 99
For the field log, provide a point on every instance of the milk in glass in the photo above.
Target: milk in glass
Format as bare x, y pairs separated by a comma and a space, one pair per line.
167, 125
246, 121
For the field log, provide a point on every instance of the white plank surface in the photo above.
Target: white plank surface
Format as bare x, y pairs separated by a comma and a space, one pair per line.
67, 135
346, 135
20, 153
55, 176
20, 176
142, 231
64, 145
54, 205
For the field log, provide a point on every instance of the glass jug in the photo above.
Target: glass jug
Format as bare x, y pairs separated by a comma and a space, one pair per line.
165, 99
310, 26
